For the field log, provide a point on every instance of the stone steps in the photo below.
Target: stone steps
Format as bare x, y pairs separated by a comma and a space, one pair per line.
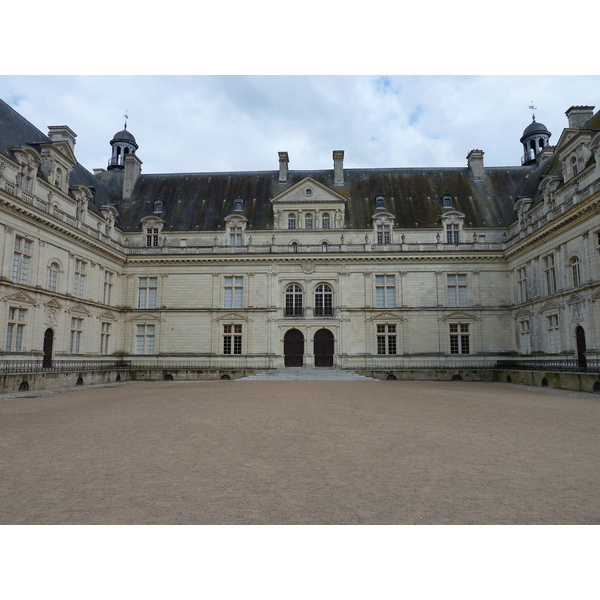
307, 374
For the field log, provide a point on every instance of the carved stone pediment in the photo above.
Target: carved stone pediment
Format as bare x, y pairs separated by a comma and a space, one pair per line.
80, 309
108, 315
232, 316
523, 314
550, 306
308, 190
144, 318
460, 315
20, 296
54, 303
575, 298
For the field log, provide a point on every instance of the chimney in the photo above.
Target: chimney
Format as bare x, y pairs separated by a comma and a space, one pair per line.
284, 159
475, 163
579, 115
133, 168
62, 133
338, 167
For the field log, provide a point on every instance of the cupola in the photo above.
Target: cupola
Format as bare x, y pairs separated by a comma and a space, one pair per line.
534, 139
123, 143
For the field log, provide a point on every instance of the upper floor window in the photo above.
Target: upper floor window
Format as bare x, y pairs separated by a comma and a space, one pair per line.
292, 221
235, 236
323, 300
326, 221
385, 291
79, 278
21, 260
151, 237
522, 282
234, 289
293, 301
309, 221
550, 274
576, 271
383, 234
452, 233
108, 285
147, 292
460, 342
58, 177
574, 166
15, 330
53, 273
457, 290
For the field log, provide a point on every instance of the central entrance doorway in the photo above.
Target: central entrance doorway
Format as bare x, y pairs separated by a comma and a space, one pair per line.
48, 343
323, 347
293, 348
581, 348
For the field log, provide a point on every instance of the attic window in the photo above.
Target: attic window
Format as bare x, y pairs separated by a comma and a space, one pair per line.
446, 201
158, 206
308, 191
380, 202
238, 205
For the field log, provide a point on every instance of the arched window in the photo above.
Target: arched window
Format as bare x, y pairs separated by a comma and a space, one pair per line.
308, 221
58, 177
293, 301
323, 301
292, 221
379, 202
576, 271
574, 166
326, 221
294, 246
53, 271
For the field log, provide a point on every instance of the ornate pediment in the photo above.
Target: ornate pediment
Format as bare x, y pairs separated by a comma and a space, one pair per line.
144, 318
460, 316
523, 314
108, 315
54, 303
308, 190
20, 296
80, 309
387, 316
575, 298
232, 316
550, 306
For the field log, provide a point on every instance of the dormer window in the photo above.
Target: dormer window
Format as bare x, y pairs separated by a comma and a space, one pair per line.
151, 237
380, 203
158, 206
326, 221
58, 177
452, 233
308, 221
446, 201
574, 166
292, 221
238, 205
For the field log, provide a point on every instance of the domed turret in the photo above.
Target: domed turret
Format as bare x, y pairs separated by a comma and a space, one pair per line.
534, 139
123, 143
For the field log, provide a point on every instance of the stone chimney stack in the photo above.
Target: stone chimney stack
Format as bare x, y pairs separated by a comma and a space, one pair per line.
338, 167
284, 159
578, 115
62, 133
475, 163
132, 170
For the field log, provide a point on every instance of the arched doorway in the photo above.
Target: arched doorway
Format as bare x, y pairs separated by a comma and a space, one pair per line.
48, 343
293, 348
323, 346
580, 338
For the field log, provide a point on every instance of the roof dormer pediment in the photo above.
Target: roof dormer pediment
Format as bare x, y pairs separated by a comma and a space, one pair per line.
310, 191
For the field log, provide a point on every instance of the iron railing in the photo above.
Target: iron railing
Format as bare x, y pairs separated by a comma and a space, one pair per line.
559, 365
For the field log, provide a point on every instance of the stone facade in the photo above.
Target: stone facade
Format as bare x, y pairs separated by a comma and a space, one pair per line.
357, 269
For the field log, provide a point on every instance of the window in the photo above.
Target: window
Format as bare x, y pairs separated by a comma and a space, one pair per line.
232, 339
104, 338
238, 205
151, 237
292, 221
554, 339
158, 208
386, 339
459, 338
144, 339
53, 271
452, 231
147, 289
293, 301
323, 301
446, 201
383, 234
76, 334
379, 203
457, 290
21, 260
524, 337
234, 288
308, 221
576, 271
15, 330
58, 177
326, 221
235, 236
574, 166
385, 291
108, 285
550, 274
79, 279
522, 281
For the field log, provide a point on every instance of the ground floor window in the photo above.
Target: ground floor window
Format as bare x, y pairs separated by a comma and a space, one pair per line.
460, 342
145, 336
524, 337
15, 329
76, 335
554, 339
232, 339
104, 338
386, 339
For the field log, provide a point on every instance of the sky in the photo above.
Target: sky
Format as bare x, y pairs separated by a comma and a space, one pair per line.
205, 123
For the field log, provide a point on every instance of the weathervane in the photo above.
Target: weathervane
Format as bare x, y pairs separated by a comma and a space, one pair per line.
532, 107
126, 117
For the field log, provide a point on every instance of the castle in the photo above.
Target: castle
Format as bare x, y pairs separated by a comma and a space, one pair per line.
362, 269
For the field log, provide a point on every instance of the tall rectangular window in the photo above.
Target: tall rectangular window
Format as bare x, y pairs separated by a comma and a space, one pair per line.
550, 274
104, 338
385, 291
459, 338
79, 278
151, 237
76, 334
234, 291
452, 231
576, 271
147, 292
524, 337
386, 339
53, 272
15, 331
457, 290
235, 236
21, 260
144, 339
554, 339
108, 285
383, 234
522, 281
232, 339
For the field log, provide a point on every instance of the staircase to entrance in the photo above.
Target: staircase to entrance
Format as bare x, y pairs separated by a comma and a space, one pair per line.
307, 374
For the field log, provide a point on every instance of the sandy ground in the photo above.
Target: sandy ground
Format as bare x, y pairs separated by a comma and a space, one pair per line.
234, 452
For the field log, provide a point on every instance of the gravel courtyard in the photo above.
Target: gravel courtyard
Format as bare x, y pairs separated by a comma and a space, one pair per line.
317, 452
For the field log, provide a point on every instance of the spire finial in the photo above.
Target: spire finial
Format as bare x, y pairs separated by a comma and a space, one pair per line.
532, 108
126, 117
